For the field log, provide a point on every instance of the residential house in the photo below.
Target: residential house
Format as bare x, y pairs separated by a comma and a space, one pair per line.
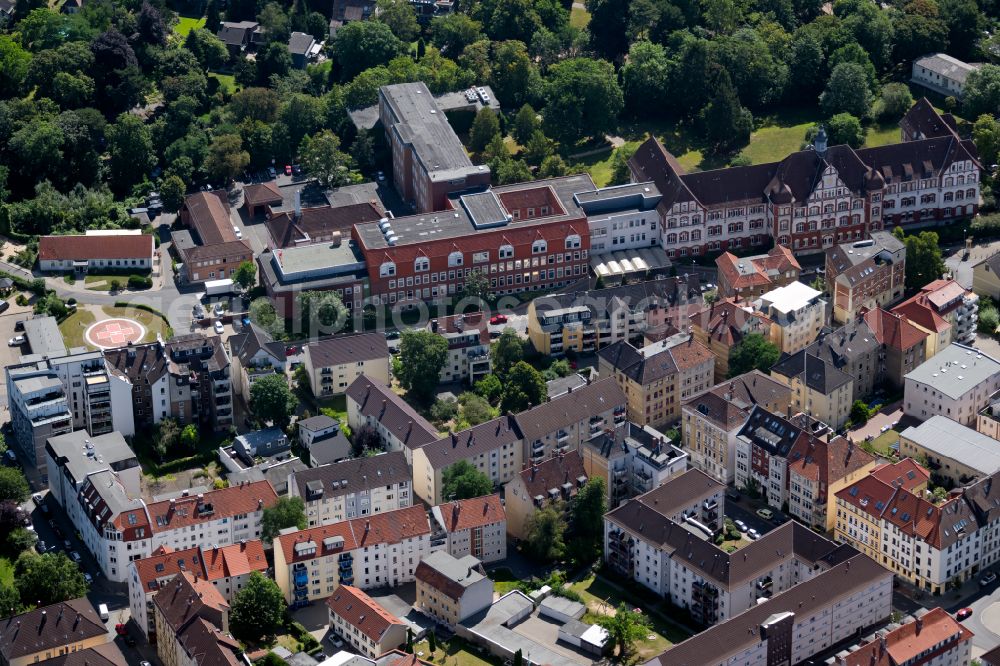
379, 550
238, 36
322, 437
749, 278
956, 383
942, 74
556, 479
494, 448
39, 410
659, 377
48, 632
372, 404
353, 488
428, 159
565, 422
78, 254
797, 463
303, 48
468, 338
368, 627
254, 354
867, 273
819, 388
192, 624
663, 541
951, 450
932, 637
334, 363
228, 568
216, 253
711, 421
257, 451
476, 527
945, 300
451, 589
588, 320
797, 315
848, 595
71, 458
722, 325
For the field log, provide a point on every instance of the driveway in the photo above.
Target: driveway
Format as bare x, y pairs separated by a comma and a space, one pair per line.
887, 416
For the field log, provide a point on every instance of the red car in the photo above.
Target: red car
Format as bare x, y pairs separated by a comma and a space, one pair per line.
963, 614
288, 169
121, 630
498, 319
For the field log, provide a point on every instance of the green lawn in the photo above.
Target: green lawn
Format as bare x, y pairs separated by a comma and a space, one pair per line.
74, 326
454, 653
97, 282
599, 164
882, 135
579, 18
883, 443
226, 81
503, 580
6, 572
601, 597
186, 24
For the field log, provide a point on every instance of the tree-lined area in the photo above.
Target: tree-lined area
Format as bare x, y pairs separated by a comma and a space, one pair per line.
101, 106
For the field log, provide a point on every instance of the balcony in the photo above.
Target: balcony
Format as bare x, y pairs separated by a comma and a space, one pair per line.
562, 436
347, 579
346, 565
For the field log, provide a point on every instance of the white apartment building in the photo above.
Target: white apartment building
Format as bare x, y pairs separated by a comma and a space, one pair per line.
942, 73
364, 623
621, 217
476, 527
451, 589
118, 527
353, 488
468, 339
956, 383
797, 313
844, 598
228, 568
38, 410
376, 551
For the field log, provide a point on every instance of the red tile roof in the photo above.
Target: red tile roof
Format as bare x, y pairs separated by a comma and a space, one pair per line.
469, 513
826, 462
209, 215
186, 598
213, 505
779, 259
388, 527
893, 329
727, 321
237, 559
81, 248
919, 311
906, 474
166, 564
361, 611
929, 636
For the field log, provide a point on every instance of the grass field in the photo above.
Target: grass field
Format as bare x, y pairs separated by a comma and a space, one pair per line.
503, 580
226, 81
454, 653
601, 597
883, 443
75, 326
186, 24
579, 18
6, 572
95, 282
882, 135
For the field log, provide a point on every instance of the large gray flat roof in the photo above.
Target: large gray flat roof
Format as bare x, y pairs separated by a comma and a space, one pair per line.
85, 454
955, 370
949, 439
44, 337
423, 125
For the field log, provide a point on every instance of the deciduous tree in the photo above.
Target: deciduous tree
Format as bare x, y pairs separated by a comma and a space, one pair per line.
524, 387
246, 275
844, 128
130, 147
363, 44
484, 128
322, 159
544, 533
847, 91
13, 485
625, 628
272, 400
257, 610
463, 481
753, 351
226, 158
422, 354
286, 512
43, 580
400, 17
584, 99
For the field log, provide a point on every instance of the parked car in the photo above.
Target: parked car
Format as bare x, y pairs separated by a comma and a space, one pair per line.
271, 172
296, 169
288, 169
740, 525
218, 310
766, 514
38, 498
733, 494
19, 324
334, 640
121, 629
40, 546
129, 641
988, 579
87, 577
75, 556
498, 319
68, 545
16, 341
392, 335
963, 614
380, 176
10, 458
292, 350
219, 328
753, 534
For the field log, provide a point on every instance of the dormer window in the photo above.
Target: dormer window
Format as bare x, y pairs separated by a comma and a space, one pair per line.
539, 247
455, 259
506, 251
572, 242
387, 269
421, 265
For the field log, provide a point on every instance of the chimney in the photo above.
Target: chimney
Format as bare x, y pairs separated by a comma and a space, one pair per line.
298, 204
920, 625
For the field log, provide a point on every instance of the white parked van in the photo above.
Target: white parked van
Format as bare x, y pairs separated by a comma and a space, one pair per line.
102, 610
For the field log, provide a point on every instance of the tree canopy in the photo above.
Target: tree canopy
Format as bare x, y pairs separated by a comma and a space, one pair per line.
754, 351
47, 579
463, 481
272, 400
422, 355
258, 610
286, 512
924, 260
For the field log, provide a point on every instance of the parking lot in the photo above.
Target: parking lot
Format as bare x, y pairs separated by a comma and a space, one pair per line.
745, 509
